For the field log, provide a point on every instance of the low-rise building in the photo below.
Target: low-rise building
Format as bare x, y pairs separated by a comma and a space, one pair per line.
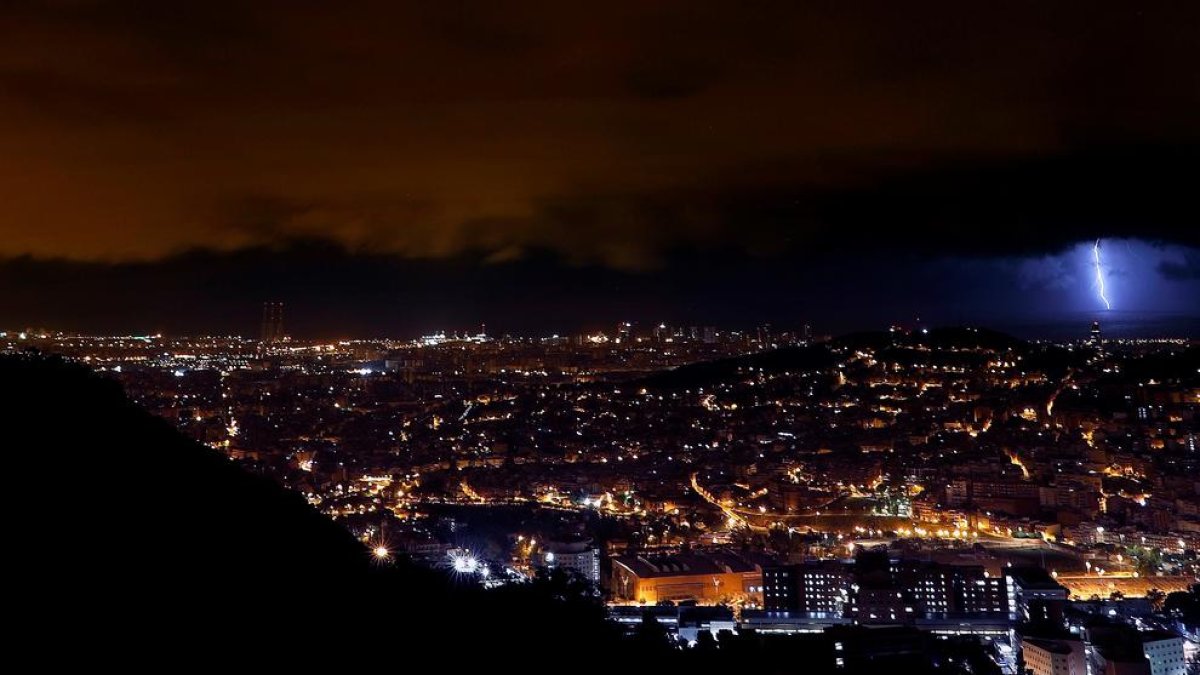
1054, 657
703, 577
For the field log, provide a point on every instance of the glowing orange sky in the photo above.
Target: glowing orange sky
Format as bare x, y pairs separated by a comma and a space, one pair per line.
131, 130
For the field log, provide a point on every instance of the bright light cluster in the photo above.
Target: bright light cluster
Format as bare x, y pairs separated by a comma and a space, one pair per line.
464, 563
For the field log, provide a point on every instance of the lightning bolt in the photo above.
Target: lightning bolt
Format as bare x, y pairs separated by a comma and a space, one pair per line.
1099, 274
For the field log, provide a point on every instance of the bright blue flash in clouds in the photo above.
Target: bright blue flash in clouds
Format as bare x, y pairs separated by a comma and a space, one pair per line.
1129, 281
1100, 275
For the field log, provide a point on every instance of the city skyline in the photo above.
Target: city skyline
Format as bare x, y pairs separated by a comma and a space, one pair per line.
1153, 287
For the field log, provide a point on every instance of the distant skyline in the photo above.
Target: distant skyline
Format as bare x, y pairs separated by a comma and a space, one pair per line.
1154, 290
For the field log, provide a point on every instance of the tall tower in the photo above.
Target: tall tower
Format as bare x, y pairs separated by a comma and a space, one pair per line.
624, 331
1096, 338
272, 322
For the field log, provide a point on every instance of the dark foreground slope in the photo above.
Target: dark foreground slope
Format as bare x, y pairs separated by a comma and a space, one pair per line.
128, 543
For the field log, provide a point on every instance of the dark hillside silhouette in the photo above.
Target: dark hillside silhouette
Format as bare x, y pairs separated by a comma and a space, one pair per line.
132, 544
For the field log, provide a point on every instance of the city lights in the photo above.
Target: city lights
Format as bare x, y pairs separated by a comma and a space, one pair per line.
910, 442
464, 563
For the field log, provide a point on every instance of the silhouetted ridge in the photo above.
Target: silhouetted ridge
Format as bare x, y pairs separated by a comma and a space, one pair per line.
92, 457
708, 373
950, 337
820, 356
135, 544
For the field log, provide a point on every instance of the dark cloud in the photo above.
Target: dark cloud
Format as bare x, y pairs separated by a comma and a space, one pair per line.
332, 292
1181, 270
610, 150
133, 129
669, 79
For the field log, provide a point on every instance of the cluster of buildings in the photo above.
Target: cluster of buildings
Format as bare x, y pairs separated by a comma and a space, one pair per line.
1108, 650
1022, 617
875, 589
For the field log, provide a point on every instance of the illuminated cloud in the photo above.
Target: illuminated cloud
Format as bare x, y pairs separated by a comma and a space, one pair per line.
133, 129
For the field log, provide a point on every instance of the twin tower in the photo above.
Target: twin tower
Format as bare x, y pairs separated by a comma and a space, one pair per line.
272, 322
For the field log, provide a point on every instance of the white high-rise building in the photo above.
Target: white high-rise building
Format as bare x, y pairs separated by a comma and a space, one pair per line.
1164, 651
581, 557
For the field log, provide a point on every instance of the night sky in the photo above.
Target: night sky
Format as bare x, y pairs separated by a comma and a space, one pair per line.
394, 168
